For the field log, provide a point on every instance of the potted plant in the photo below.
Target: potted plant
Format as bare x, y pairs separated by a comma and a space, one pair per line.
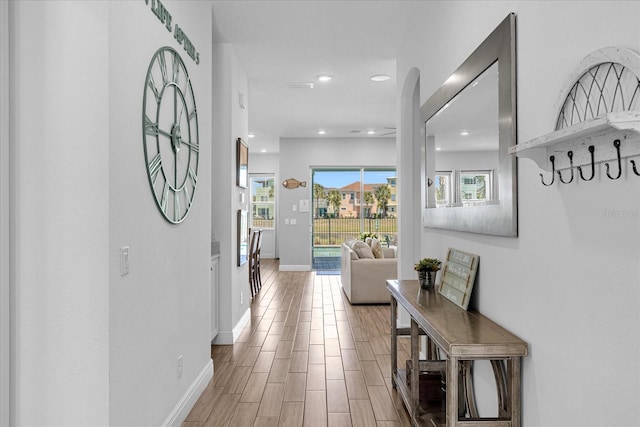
426, 269
363, 236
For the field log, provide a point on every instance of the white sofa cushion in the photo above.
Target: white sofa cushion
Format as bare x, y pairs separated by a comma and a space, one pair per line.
363, 250
376, 248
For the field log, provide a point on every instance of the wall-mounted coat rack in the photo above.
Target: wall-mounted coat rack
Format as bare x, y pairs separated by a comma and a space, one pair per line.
598, 122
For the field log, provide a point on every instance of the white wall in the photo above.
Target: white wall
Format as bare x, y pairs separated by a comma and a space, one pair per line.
260, 163
60, 131
297, 157
93, 347
160, 310
5, 164
469, 160
230, 122
568, 285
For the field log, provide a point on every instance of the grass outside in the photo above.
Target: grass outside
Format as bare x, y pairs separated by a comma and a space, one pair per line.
333, 231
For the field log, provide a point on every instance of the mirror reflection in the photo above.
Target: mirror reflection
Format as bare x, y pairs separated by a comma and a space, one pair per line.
463, 138
469, 124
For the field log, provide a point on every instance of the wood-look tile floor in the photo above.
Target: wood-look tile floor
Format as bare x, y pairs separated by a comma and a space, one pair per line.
307, 358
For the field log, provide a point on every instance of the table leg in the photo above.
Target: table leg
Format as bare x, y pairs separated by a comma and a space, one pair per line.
394, 341
513, 365
453, 391
415, 371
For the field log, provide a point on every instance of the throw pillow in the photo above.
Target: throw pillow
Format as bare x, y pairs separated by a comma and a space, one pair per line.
362, 249
376, 248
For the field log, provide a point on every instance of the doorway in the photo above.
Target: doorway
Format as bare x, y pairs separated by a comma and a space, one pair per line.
347, 203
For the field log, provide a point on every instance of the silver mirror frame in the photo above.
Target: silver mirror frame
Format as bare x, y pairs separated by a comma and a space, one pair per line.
496, 219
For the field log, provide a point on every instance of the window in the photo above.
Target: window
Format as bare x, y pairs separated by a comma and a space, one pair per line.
263, 201
443, 188
475, 187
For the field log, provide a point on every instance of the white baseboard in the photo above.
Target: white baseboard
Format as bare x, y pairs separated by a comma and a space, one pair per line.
184, 406
295, 267
229, 337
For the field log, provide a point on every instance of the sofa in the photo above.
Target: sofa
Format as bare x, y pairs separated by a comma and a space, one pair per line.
364, 279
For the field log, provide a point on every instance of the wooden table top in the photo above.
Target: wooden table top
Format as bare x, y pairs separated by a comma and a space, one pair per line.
459, 333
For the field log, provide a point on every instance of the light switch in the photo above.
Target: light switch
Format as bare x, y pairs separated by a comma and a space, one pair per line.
286, 221
293, 221
124, 260
294, 207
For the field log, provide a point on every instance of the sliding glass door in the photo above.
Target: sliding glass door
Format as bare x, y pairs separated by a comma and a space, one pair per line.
348, 202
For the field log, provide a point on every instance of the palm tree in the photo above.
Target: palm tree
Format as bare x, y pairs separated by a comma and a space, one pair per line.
334, 198
383, 194
318, 193
369, 199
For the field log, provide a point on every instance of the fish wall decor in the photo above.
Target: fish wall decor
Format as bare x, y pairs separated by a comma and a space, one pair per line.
292, 183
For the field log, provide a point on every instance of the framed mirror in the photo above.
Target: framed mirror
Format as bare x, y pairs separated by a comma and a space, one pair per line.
469, 125
242, 163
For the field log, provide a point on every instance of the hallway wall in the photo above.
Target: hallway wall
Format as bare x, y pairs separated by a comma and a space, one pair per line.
568, 285
160, 311
61, 212
230, 122
92, 347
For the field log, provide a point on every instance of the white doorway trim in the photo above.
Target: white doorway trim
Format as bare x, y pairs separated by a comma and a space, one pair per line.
5, 245
410, 156
411, 173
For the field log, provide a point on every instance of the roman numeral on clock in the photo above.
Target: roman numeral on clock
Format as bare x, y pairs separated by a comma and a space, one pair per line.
150, 128
154, 167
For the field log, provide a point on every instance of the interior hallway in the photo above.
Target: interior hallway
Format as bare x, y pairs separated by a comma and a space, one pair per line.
307, 358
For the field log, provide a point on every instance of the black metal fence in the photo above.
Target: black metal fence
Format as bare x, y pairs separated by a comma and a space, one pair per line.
333, 231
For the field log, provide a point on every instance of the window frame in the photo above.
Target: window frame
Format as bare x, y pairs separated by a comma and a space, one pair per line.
260, 204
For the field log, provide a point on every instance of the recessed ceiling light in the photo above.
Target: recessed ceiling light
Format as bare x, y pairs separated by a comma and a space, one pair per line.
380, 78
322, 132
371, 132
324, 78
264, 150
251, 135
438, 149
464, 133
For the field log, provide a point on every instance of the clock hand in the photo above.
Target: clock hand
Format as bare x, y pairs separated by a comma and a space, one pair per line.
165, 133
194, 147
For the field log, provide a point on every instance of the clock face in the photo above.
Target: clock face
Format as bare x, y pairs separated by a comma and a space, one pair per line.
170, 134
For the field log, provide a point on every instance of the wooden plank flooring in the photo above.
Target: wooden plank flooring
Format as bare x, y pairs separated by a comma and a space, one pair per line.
307, 358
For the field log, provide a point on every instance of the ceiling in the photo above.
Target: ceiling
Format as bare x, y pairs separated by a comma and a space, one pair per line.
284, 42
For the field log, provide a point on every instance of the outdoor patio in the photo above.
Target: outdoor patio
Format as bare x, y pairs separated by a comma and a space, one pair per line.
326, 259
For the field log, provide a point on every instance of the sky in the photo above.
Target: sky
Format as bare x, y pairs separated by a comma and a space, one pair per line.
341, 178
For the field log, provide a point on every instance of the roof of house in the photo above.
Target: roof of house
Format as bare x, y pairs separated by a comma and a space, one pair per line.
355, 186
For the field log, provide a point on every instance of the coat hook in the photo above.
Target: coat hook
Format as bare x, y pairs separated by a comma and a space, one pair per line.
593, 167
616, 144
553, 172
570, 154
635, 170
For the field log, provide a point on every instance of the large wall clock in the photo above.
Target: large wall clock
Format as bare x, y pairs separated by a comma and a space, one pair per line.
170, 134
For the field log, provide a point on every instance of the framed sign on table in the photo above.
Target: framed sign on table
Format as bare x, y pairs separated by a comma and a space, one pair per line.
458, 277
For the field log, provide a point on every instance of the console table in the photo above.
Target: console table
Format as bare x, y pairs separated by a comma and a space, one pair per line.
462, 336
